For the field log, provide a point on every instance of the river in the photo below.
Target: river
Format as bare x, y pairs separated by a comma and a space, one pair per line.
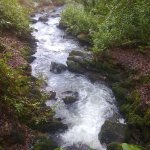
96, 101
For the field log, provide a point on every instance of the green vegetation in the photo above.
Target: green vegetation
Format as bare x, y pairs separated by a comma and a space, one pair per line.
13, 16
19, 92
123, 146
110, 23
130, 147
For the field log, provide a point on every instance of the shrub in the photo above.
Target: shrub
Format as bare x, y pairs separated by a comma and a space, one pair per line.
110, 23
13, 15
127, 21
78, 20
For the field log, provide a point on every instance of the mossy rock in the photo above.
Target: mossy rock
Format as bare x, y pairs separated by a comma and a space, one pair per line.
45, 144
113, 132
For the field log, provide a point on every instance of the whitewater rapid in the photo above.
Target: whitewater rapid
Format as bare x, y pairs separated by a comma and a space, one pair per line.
96, 101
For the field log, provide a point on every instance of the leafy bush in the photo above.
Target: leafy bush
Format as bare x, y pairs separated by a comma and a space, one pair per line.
110, 23
18, 91
127, 21
77, 19
13, 15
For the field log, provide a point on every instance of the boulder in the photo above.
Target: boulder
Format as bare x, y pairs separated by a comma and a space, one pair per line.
50, 126
75, 67
44, 18
31, 59
34, 21
80, 61
57, 67
52, 95
70, 97
62, 26
113, 132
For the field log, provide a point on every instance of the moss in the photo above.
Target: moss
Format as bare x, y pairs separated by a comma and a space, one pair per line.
120, 92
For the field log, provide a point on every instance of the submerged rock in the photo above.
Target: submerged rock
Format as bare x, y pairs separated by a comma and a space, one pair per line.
113, 132
70, 97
57, 67
44, 18
52, 95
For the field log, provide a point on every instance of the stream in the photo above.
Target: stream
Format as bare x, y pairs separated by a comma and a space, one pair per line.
96, 101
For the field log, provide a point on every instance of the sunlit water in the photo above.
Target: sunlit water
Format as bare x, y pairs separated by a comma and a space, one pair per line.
96, 102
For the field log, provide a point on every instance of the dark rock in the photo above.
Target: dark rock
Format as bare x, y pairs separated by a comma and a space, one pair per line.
34, 21
70, 97
75, 67
57, 67
31, 59
55, 15
113, 132
80, 61
44, 18
52, 95
51, 126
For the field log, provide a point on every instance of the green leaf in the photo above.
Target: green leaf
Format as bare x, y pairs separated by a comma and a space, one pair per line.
126, 146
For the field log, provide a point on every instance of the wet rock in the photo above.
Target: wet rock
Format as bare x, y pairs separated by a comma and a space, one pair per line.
51, 126
55, 15
80, 61
31, 59
52, 95
57, 67
75, 67
44, 18
70, 97
113, 132
34, 21
62, 26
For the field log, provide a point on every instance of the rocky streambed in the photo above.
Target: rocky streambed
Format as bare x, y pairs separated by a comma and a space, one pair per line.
81, 100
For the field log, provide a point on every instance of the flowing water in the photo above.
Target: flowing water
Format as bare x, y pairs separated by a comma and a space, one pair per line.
96, 102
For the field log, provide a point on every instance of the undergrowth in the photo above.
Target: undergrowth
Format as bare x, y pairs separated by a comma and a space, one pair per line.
110, 23
13, 16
